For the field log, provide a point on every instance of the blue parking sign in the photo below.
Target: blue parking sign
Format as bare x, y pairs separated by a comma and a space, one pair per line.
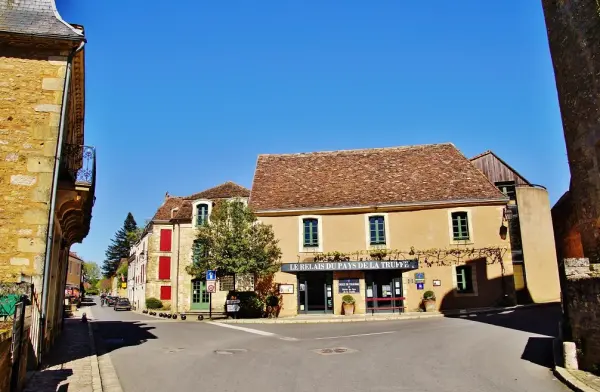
211, 275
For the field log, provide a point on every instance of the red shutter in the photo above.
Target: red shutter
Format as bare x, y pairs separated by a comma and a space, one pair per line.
164, 267
165, 292
165, 240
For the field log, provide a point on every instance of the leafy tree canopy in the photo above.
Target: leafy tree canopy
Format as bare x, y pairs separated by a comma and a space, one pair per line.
233, 242
91, 273
119, 247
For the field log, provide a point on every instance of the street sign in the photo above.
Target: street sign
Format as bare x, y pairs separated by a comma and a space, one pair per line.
233, 305
211, 286
211, 275
420, 286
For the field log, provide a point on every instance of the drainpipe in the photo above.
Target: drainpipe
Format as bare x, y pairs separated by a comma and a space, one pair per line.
50, 233
177, 268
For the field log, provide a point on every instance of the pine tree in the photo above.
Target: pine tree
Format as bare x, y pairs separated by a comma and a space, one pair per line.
119, 247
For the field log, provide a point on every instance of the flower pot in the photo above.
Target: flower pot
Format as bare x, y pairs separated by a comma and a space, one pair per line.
429, 305
348, 309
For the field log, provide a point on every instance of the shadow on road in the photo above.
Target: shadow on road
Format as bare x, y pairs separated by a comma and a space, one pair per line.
539, 351
113, 335
542, 320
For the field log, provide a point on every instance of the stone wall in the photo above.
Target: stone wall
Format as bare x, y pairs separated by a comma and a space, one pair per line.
573, 30
582, 310
31, 89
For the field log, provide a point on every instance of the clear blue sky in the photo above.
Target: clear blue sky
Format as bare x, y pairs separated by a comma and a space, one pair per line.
182, 96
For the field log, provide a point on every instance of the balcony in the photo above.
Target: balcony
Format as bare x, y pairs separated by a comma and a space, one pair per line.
77, 185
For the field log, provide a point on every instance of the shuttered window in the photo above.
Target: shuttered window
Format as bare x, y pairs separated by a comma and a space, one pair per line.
164, 267
165, 292
165, 240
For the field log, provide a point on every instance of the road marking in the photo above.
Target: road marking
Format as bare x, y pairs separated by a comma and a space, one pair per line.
354, 336
249, 330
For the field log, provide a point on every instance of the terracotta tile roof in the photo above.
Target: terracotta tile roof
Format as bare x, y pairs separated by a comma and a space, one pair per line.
164, 211
370, 177
75, 255
184, 204
224, 191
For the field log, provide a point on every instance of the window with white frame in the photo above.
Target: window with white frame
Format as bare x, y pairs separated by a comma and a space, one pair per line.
311, 232
377, 230
202, 211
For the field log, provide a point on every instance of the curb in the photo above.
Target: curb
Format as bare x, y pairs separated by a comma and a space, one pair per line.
465, 312
327, 321
563, 374
104, 376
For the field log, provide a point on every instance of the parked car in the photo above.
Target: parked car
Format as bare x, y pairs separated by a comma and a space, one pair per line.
123, 304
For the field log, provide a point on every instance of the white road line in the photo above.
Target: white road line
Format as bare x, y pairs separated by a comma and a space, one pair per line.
354, 336
249, 330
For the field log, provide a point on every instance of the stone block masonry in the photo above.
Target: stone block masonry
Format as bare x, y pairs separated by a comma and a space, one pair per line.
31, 95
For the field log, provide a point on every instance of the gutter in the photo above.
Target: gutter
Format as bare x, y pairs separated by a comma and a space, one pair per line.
50, 232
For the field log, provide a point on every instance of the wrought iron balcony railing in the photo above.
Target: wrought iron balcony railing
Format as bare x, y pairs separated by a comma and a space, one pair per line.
79, 162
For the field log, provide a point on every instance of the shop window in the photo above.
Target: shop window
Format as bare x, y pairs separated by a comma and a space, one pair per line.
464, 279
460, 226
377, 230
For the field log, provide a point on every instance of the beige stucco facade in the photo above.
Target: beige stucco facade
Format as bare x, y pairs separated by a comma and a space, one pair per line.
539, 251
422, 229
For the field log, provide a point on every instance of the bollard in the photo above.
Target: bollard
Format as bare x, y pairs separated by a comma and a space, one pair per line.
570, 356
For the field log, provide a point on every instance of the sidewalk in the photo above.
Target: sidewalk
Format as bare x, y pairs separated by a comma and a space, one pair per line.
578, 380
73, 364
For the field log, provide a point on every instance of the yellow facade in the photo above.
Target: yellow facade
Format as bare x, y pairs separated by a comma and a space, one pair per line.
422, 229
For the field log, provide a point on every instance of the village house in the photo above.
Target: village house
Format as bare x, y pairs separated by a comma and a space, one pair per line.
529, 218
385, 225
47, 172
158, 261
74, 276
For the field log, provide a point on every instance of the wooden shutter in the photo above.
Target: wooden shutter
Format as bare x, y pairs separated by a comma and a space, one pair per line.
165, 240
164, 267
165, 292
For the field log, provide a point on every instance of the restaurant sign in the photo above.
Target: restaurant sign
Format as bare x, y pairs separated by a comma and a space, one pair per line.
350, 266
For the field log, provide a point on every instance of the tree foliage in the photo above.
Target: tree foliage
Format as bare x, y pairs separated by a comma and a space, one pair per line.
91, 273
233, 242
119, 247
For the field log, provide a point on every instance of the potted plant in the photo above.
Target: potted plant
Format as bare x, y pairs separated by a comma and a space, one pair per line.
429, 301
348, 304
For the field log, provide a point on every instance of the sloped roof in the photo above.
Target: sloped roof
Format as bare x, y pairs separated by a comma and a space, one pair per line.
370, 177
509, 167
224, 191
184, 204
35, 17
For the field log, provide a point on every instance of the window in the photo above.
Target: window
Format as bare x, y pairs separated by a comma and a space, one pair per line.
508, 188
164, 267
202, 214
311, 232
460, 226
377, 230
464, 279
165, 240
165, 292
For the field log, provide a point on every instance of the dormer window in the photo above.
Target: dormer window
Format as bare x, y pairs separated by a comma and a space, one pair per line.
174, 212
201, 214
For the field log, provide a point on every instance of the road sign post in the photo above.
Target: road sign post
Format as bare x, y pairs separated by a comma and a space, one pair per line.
211, 287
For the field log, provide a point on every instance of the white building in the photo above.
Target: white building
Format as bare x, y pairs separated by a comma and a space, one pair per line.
136, 273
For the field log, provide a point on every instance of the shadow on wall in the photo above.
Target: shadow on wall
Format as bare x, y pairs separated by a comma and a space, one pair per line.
484, 292
113, 335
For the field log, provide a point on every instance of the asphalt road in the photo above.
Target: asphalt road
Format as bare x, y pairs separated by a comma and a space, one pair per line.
501, 352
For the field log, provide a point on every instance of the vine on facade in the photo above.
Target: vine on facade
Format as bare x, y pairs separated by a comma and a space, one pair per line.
425, 257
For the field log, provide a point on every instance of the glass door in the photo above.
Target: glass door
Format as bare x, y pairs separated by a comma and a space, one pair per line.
200, 297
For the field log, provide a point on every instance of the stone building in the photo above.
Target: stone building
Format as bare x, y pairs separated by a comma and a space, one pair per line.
47, 175
158, 261
74, 275
529, 222
386, 225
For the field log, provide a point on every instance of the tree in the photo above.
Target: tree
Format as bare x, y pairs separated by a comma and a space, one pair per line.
91, 273
119, 247
233, 242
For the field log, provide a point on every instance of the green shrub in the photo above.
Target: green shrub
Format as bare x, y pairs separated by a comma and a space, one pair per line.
348, 299
250, 304
429, 295
153, 303
272, 300
92, 291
